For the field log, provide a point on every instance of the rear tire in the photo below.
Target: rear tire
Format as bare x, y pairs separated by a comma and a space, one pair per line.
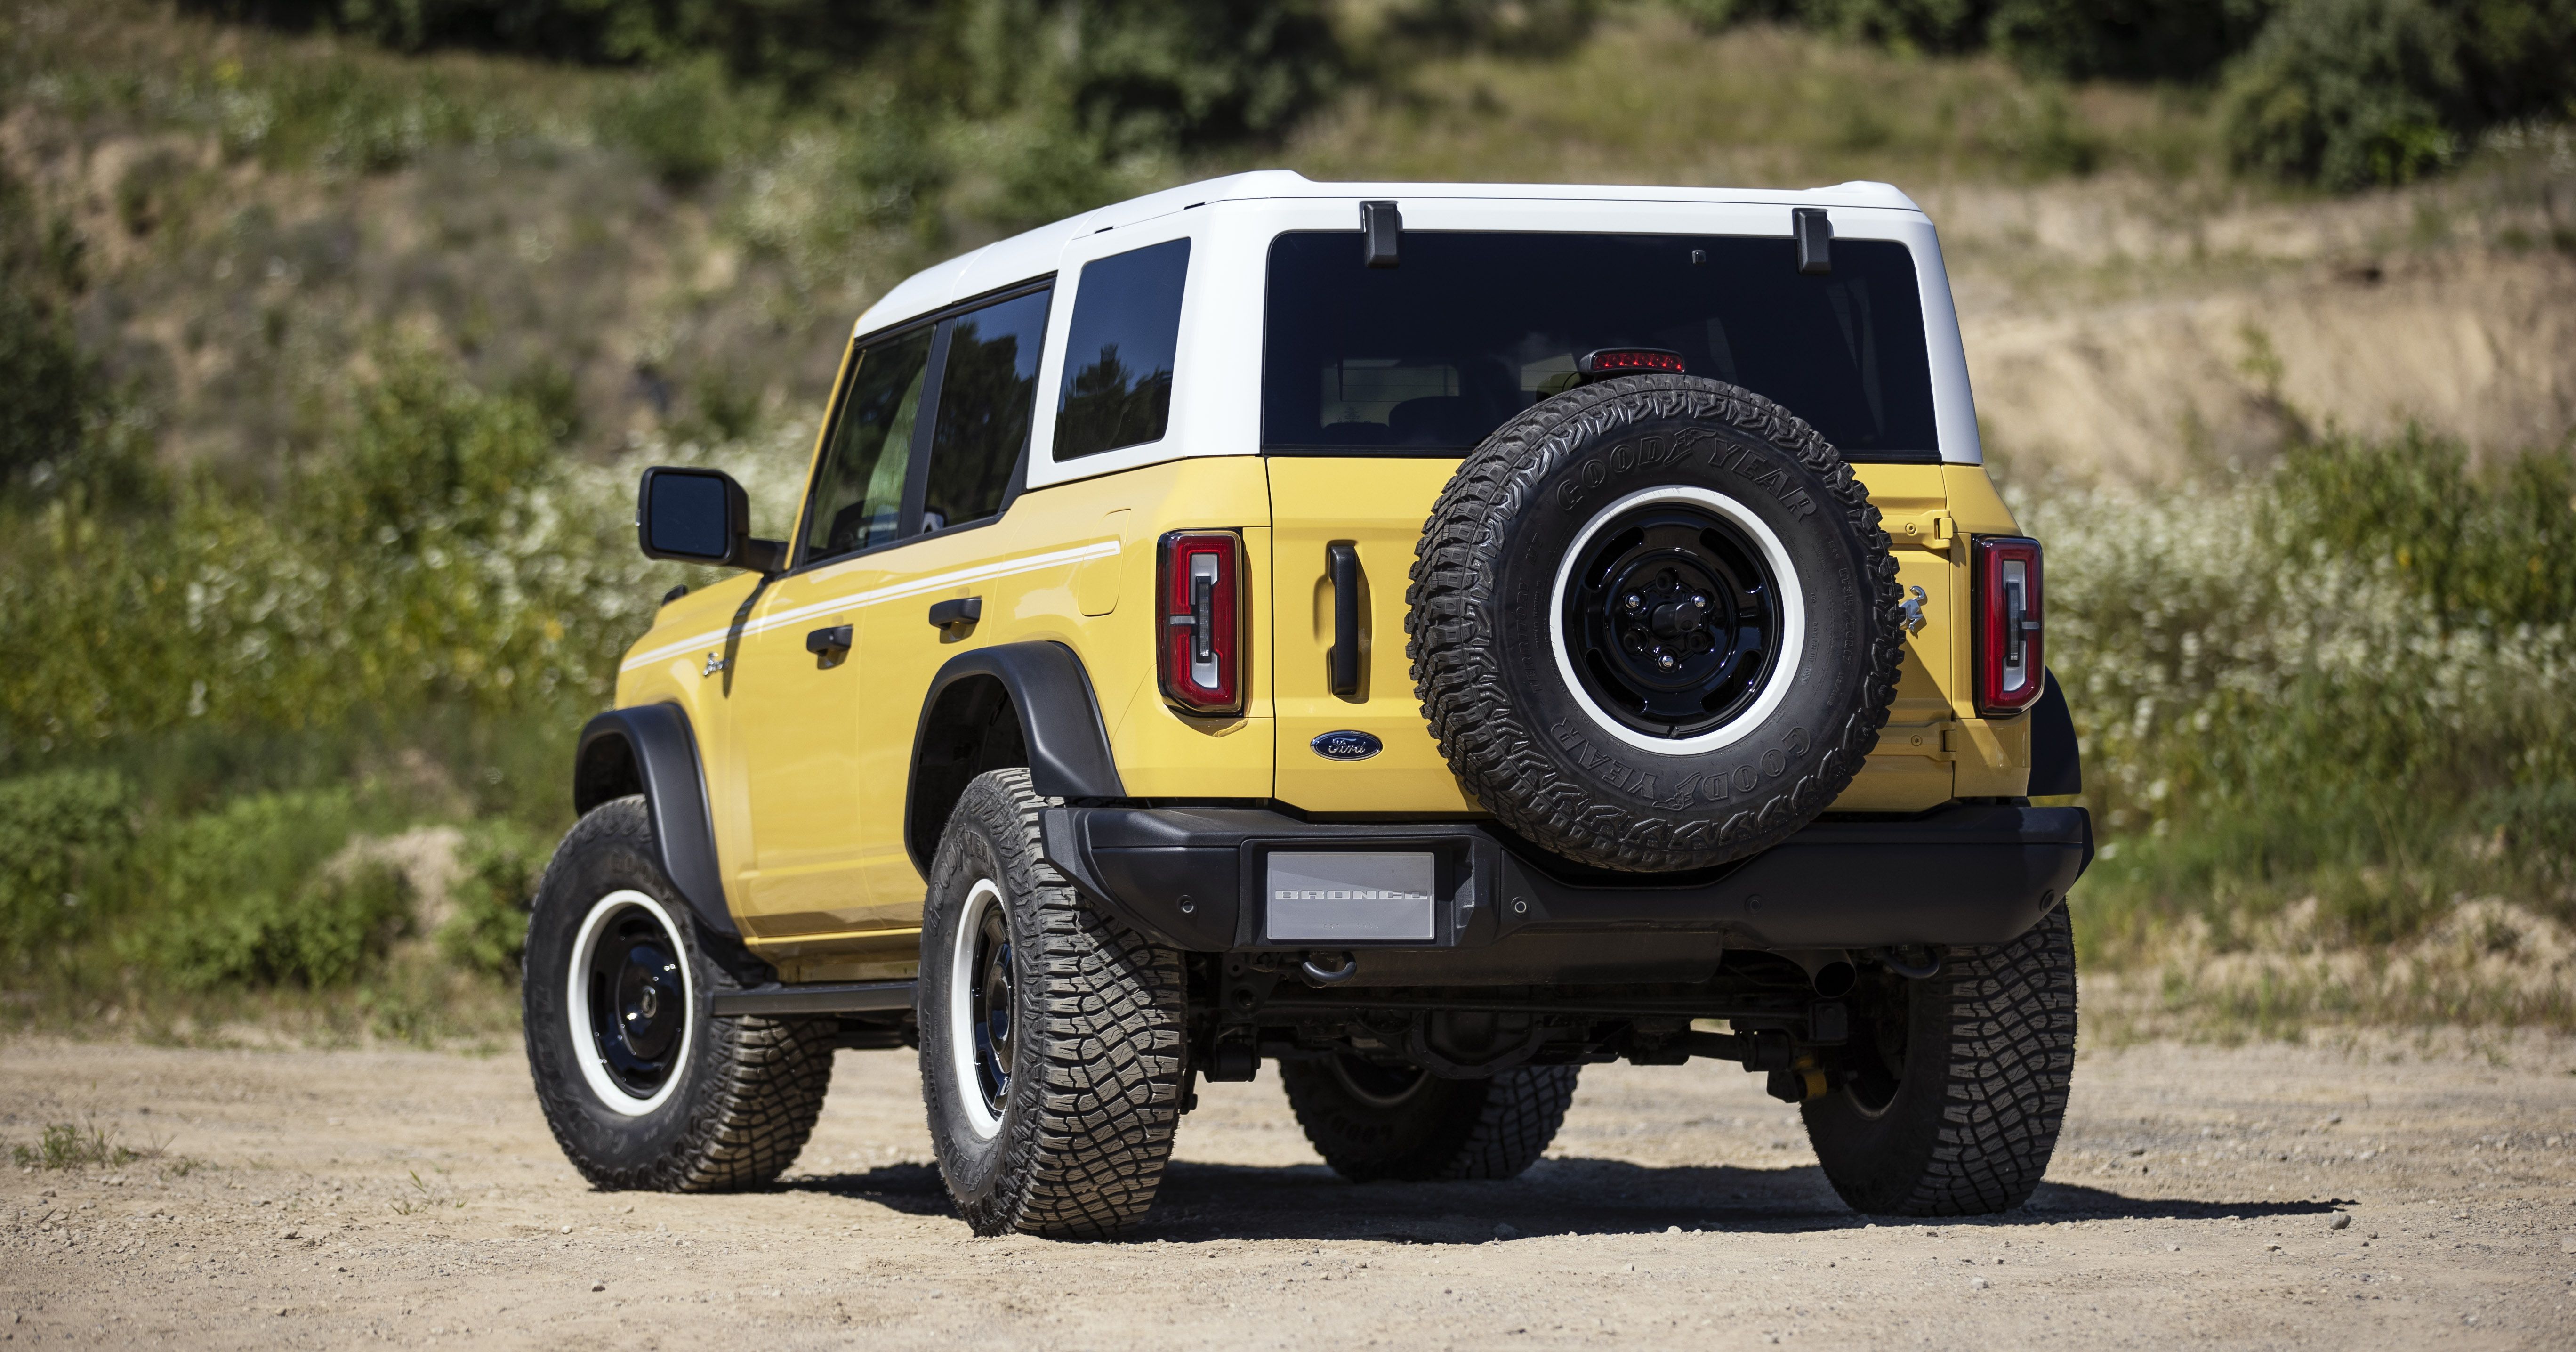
1051, 1035
1372, 1122
641, 1086
1959, 1082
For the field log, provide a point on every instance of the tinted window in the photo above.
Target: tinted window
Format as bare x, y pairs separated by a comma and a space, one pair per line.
1471, 328
858, 497
986, 393
1118, 361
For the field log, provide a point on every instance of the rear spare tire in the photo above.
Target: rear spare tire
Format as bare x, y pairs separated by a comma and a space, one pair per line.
1653, 623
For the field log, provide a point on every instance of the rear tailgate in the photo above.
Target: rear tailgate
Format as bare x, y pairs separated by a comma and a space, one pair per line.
1377, 505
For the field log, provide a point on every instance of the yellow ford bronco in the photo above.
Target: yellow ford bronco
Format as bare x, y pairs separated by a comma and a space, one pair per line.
1431, 637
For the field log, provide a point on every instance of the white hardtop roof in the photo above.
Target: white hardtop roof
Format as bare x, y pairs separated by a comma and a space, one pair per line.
1033, 253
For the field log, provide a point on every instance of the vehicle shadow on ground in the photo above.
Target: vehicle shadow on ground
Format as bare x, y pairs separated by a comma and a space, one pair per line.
1568, 1196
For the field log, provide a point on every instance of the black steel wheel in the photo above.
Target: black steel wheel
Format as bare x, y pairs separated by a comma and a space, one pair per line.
989, 1007
1672, 618
636, 993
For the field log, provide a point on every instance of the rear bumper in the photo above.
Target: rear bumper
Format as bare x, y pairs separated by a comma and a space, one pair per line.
1194, 879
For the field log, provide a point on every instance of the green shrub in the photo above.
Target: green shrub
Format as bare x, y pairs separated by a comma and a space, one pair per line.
2125, 39
443, 553
54, 431
2353, 677
2351, 93
678, 119
328, 931
2348, 93
247, 895
500, 863
65, 836
1197, 71
2070, 39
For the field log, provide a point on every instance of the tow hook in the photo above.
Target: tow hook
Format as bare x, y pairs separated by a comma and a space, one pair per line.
1317, 974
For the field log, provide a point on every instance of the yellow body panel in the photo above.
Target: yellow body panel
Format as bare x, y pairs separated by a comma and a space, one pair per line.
808, 763
1378, 506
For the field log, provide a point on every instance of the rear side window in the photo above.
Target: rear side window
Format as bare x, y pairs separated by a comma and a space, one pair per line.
858, 496
988, 387
1118, 360
1430, 356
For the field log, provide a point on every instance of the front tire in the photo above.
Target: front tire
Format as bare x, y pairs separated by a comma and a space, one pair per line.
1373, 1122
642, 1087
1051, 1035
1956, 1085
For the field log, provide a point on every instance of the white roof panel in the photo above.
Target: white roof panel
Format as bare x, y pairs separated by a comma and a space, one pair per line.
1033, 253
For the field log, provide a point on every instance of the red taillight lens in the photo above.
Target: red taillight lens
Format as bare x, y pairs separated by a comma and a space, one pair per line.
2010, 659
1613, 361
1200, 648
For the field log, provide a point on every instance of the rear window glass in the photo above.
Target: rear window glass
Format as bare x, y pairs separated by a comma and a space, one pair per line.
985, 397
1471, 328
1118, 356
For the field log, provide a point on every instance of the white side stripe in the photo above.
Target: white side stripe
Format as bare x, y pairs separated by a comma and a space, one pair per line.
913, 587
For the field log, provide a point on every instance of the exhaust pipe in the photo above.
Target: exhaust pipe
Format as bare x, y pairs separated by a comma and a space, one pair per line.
1829, 970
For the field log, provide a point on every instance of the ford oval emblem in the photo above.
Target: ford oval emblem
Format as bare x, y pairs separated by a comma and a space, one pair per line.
1347, 745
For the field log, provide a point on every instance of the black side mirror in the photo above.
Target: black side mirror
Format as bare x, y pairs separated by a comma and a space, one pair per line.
700, 516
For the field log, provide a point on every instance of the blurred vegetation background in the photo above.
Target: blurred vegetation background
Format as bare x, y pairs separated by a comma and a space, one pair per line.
333, 331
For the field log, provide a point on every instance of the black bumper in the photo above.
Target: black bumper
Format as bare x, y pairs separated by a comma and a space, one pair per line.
1193, 878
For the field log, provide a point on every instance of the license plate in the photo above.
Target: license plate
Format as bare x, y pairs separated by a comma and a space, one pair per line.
1323, 897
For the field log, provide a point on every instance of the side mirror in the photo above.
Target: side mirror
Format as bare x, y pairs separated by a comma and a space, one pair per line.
700, 516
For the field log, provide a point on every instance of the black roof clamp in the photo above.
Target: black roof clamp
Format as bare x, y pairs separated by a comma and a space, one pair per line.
1815, 235
1380, 225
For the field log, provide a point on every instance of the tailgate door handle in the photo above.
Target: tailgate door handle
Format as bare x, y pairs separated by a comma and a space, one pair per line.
958, 613
1343, 673
828, 640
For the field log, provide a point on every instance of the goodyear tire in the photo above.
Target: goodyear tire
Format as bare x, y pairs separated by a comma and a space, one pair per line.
1051, 1036
1954, 1087
641, 1086
1653, 624
1373, 1122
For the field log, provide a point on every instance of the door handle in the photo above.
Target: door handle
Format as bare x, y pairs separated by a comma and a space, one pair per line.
959, 613
1343, 670
829, 640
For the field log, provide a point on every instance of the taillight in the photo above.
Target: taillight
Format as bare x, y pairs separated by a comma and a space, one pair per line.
2010, 659
1200, 649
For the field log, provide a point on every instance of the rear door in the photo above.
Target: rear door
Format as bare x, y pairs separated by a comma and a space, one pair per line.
956, 548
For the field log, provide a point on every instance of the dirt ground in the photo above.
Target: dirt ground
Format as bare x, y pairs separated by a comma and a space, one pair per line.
340, 1198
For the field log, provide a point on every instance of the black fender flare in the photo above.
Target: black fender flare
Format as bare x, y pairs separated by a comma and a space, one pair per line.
650, 749
1060, 726
2056, 767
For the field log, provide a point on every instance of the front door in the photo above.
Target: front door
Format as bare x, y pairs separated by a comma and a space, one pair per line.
801, 676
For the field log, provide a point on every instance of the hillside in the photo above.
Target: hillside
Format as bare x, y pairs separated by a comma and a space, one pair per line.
355, 341
255, 215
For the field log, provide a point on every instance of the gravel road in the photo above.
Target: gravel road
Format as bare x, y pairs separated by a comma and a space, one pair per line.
2264, 1196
